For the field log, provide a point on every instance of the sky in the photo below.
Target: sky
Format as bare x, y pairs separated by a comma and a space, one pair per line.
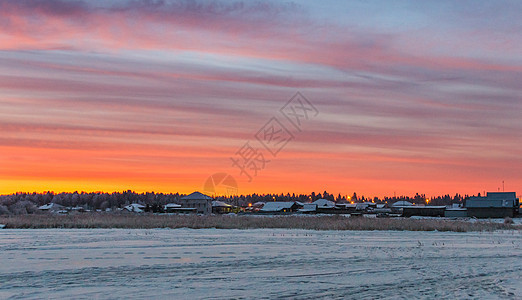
373, 97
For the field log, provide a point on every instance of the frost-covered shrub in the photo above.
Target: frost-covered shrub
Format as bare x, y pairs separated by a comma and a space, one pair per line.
4, 210
23, 207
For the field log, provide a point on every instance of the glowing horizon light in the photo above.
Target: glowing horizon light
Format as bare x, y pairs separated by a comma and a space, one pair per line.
89, 103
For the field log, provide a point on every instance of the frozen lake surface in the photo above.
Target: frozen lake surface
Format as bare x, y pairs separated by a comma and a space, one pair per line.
261, 263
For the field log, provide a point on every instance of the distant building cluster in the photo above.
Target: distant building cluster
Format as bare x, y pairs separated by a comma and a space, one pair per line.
493, 205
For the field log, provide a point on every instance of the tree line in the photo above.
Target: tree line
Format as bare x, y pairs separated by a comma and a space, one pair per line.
28, 203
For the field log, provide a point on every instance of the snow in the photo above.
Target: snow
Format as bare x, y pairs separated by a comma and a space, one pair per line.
46, 206
269, 263
50, 206
172, 205
276, 206
217, 203
135, 207
324, 203
402, 203
308, 207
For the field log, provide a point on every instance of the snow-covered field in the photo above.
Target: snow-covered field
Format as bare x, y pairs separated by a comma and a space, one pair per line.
261, 263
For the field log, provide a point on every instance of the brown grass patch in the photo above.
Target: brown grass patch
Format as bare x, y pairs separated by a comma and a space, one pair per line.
147, 221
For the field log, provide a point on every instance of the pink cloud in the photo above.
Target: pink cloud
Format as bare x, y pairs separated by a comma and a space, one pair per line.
249, 29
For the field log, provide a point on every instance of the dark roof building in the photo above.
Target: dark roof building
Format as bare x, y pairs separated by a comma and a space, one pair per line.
494, 205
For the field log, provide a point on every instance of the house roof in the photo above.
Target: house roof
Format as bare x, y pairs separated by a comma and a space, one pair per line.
196, 196
501, 196
220, 204
135, 207
309, 207
50, 206
46, 206
172, 205
486, 202
324, 203
277, 206
402, 203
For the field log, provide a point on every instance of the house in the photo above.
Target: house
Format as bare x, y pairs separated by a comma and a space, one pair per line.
366, 206
258, 205
135, 207
220, 207
398, 206
329, 207
254, 207
308, 208
402, 204
381, 210
51, 207
323, 203
201, 202
347, 206
494, 205
323, 206
281, 207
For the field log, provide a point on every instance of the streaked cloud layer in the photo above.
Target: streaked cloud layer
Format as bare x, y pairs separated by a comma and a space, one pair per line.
158, 95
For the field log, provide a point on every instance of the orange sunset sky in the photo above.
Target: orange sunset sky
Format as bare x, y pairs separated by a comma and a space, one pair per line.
395, 96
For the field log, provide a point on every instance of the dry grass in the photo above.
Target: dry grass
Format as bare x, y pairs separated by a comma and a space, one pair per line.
97, 220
